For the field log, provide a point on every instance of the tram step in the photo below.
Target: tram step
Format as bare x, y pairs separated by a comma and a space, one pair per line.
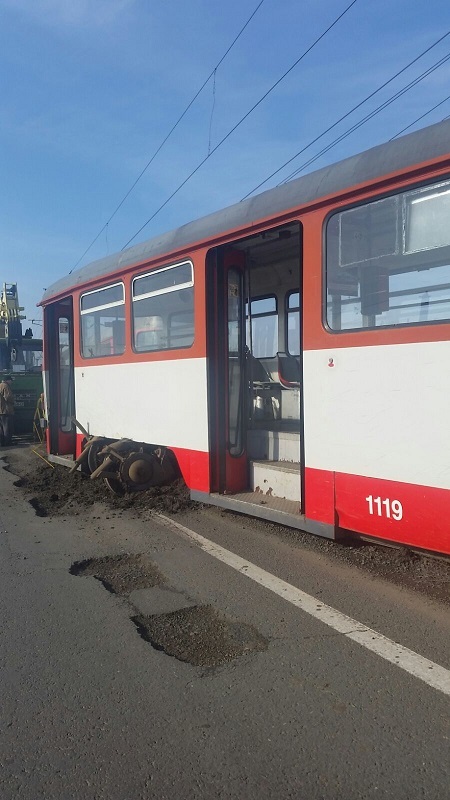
276, 478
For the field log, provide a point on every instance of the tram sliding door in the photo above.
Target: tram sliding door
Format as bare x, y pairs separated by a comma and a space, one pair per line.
227, 391
59, 377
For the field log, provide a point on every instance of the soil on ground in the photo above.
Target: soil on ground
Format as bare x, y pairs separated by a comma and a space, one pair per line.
53, 489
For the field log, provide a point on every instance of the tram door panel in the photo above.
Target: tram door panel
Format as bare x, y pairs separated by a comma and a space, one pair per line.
226, 336
58, 322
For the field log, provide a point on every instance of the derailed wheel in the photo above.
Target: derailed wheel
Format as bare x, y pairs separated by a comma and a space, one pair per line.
140, 471
115, 486
95, 448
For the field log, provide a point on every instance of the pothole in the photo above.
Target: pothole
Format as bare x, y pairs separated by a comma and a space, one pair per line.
121, 574
199, 636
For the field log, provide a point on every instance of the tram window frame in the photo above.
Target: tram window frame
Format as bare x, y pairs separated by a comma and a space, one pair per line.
289, 312
250, 338
384, 274
162, 322
94, 313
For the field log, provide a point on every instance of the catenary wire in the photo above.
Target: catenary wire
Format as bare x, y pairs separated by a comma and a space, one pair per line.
347, 114
430, 111
372, 114
230, 132
159, 148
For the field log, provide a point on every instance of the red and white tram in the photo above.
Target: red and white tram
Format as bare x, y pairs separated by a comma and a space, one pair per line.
291, 352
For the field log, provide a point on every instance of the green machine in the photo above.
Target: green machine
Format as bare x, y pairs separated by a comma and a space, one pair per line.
20, 356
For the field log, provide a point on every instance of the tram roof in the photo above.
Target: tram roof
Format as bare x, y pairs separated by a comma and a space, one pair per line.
423, 145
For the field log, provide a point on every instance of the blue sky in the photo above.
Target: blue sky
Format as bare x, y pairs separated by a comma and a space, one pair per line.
91, 87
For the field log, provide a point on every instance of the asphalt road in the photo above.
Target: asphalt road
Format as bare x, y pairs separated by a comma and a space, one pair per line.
90, 709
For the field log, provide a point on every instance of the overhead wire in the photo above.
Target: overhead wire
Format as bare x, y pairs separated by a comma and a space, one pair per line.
345, 116
212, 112
422, 116
239, 123
173, 128
365, 119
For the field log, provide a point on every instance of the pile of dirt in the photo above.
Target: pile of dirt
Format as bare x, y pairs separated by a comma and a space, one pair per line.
53, 489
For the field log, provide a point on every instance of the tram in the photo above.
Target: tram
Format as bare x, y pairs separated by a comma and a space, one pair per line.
288, 356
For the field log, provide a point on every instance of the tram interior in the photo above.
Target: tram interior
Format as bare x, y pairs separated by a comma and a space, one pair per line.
273, 343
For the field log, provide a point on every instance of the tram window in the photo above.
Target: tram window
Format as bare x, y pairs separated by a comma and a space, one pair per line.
103, 322
180, 329
65, 375
293, 323
262, 338
163, 309
388, 261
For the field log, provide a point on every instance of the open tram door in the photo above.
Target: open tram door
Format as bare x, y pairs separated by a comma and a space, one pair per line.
255, 373
226, 356
59, 377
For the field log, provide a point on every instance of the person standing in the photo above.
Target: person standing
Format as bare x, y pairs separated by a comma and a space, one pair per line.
6, 411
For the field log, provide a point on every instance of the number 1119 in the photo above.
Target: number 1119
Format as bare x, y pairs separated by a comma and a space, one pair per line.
392, 509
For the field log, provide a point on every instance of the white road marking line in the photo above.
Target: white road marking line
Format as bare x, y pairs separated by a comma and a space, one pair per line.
427, 671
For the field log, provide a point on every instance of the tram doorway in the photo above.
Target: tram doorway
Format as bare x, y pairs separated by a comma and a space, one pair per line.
59, 378
254, 299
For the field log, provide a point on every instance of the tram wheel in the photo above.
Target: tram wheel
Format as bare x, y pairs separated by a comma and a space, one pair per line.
115, 486
140, 471
93, 459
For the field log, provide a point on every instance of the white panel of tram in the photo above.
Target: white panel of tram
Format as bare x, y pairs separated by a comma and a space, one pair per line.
380, 411
161, 402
